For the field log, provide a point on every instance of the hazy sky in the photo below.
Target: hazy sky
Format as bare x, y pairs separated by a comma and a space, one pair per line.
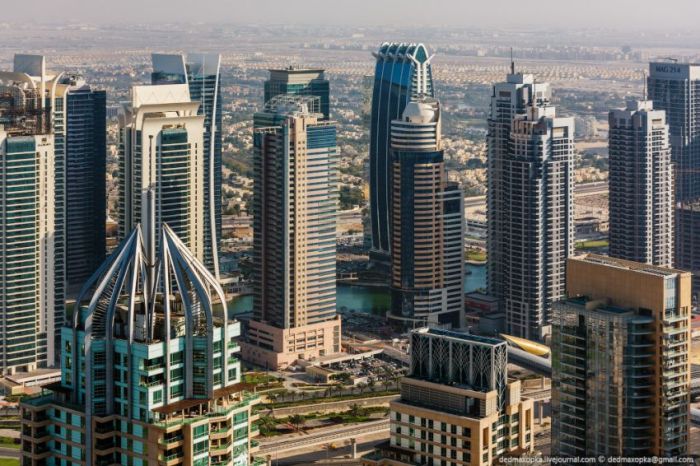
623, 14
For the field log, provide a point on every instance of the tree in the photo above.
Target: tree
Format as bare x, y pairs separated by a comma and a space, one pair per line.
386, 383
267, 424
371, 383
356, 410
297, 421
362, 386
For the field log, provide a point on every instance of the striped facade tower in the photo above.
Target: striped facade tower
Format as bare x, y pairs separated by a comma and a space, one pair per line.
294, 249
161, 144
32, 221
641, 186
427, 223
530, 203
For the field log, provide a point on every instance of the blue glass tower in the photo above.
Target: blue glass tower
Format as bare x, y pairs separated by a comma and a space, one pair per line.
402, 72
201, 73
85, 197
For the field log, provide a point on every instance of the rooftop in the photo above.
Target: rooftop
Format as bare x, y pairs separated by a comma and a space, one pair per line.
628, 265
460, 336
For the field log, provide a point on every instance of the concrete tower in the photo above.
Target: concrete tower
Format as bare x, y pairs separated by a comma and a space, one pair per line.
427, 284
295, 205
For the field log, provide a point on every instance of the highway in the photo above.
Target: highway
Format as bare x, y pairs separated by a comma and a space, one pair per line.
331, 435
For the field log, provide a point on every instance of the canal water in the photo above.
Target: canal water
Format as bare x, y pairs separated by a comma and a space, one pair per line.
367, 298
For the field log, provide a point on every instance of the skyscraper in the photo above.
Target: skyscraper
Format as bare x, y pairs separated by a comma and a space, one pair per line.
295, 200
149, 372
82, 111
641, 185
530, 203
402, 72
161, 144
620, 364
29, 300
457, 405
687, 246
201, 73
300, 81
675, 88
427, 285
29, 88
75, 114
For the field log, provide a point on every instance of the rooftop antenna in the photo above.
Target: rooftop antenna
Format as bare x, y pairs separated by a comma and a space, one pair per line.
512, 63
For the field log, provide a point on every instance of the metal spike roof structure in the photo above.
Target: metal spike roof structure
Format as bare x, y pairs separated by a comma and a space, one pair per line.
139, 296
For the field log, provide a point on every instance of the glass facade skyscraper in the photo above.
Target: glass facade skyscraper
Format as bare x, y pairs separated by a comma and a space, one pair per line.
201, 72
295, 202
85, 161
402, 72
34, 178
300, 81
620, 360
28, 300
675, 88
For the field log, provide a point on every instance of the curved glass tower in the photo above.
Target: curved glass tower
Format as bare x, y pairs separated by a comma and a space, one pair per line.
201, 73
402, 72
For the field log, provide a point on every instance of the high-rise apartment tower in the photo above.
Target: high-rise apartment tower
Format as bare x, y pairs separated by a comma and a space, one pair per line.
620, 363
427, 283
201, 73
641, 185
295, 200
530, 203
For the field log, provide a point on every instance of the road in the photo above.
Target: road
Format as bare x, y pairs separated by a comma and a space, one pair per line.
9, 453
584, 189
334, 434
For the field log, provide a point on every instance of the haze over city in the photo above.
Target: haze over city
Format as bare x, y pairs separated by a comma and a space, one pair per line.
672, 15
368, 233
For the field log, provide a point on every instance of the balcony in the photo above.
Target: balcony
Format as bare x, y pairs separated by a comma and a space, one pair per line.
170, 442
220, 449
169, 460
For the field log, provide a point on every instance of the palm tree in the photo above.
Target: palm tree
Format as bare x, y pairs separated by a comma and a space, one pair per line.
267, 424
362, 387
356, 410
297, 421
371, 383
386, 383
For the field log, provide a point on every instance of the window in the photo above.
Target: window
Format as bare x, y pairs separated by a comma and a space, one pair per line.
176, 358
176, 391
200, 430
201, 447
